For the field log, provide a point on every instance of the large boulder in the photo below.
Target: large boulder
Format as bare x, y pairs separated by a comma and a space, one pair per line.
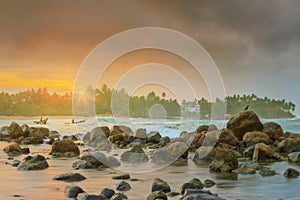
162, 156
244, 122
154, 137
37, 162
97, 138
273, 130
225, 161
64, 148
204, 154
121, 129
179, 149
135, 155
228, 137
202, 128
39, 132
14, 130
95, 159
254, 137
289, 145
14, 149
141, 133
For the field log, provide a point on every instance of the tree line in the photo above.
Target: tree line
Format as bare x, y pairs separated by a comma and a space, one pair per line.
36, 102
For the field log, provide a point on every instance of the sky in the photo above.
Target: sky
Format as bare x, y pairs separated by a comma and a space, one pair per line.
255, 44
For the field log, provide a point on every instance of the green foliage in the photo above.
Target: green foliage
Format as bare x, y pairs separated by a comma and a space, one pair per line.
36, 102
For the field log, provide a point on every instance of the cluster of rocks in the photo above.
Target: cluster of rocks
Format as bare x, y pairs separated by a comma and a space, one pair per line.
26, 135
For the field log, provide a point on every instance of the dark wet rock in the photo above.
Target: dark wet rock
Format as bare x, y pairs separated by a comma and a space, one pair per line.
121, 129
164, 141
254, 137
248, 168
228, 137
204, 153
122, 177
14, 149
261, 152
195, 183
135, 155
162, 156
160, 185
96, 159
203, 128
31, 140
82, 164
37, 162
291, 173
199, 194
123, 186
72, 191
64, 148
294, 157
157, 195
225, 161
266, 171
70, 137
154, 137
69, 177
108, 193
273, 130
141, 133
14, 130
289, 145
39, 132
209, 183
15, 163
119, 196
243, 122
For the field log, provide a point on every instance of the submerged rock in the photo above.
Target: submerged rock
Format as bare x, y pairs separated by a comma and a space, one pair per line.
244, 122
209, 183
291, 173
266, 171
37, 162
248, 168
64, 148
122, 177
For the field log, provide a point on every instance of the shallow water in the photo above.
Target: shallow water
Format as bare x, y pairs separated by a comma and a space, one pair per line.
39, 184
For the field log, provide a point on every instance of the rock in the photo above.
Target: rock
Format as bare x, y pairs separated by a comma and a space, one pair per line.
84, 196
178, 149
15, 163
289, 145
192, 184
157, 195
263, 152
203, 128
135, 155
64, 148
14, 149
72, 191
248, 168
294, 157
82, 164
154, 137
212, 127
160, 185
225, 161
122, 177
204, 153
162, 156
228, 137
96, 159
121, 129
254, 137
273, 130
119, 196
14, 130
97, 139
4, 132
69, 177
141, 133
265, 171
25, 130
188, 138
195, 194
38, 132
209, 183
37, 162
291, 173
70, 137
243, 122
164, 141
123, 186
113, 162
108, 193
138, 142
